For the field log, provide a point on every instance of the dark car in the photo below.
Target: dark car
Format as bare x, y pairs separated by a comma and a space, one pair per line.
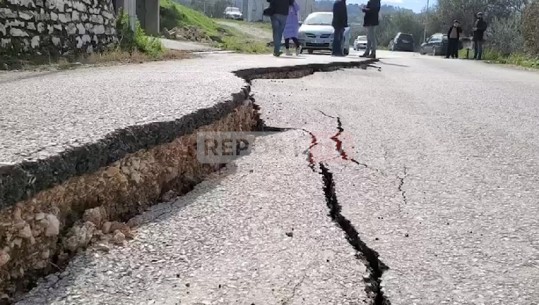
402, 42
436, 45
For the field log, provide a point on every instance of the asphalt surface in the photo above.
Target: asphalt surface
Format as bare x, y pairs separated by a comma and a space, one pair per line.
447, 186
45, 113
438, 174
230, 241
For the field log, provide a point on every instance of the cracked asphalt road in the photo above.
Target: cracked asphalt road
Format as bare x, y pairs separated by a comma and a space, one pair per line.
438, 174
449, 196
230, 241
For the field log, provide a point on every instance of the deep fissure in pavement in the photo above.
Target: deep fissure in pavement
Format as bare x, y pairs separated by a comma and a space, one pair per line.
375, 267
369, 256
114, 163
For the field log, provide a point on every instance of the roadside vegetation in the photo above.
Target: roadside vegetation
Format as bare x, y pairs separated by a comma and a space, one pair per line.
512, 36
190, 24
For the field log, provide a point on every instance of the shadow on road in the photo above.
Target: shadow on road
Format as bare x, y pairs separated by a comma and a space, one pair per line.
391, 64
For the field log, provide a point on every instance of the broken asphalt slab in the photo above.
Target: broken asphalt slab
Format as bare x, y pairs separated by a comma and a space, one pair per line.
81, 116
113, 127
257, 234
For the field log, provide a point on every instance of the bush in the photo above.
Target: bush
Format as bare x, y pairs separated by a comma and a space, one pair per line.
505, 35
530, 27
137, 40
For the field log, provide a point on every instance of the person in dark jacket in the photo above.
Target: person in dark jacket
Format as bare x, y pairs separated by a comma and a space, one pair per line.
480, 26
339, 23
453, 38
278, 12
370, 22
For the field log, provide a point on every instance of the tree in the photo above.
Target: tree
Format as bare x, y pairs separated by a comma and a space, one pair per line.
218, 8
402, 21
505, 35
530, 27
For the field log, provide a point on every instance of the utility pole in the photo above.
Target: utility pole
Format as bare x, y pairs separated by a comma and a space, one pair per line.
426, 17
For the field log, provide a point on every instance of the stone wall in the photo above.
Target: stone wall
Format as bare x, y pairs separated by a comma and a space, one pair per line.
56, 27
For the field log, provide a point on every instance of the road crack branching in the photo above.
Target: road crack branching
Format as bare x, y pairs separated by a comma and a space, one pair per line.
375, 266
401, 185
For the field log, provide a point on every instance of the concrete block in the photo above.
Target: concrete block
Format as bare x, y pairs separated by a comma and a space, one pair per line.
26, 15
5, 42
64, 18
80, 43
56, 41
86, 38
35, 42
15, 32
99, 30
79, 6
6, 13
81, 28
41, 27
71, 29
15, 23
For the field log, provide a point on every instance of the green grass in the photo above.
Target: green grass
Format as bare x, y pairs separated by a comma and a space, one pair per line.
260, 25
238, 42
176, 15
521, 60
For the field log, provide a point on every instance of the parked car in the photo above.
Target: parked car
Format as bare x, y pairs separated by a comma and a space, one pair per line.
360, 43
436, 45
402, 42
316, 33
233, 13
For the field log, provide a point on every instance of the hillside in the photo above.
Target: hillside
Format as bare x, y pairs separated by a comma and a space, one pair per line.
193, 25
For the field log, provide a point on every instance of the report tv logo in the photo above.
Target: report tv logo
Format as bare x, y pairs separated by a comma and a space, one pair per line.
225, 147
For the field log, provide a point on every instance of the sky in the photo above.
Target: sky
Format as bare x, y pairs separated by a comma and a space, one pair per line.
415, 5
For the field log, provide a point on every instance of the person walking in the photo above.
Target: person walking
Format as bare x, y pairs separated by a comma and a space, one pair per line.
370, 22
453, 38
339, 23
291, 29
480, 26
278, 12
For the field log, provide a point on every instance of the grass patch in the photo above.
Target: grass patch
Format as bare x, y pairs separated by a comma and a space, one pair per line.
175, 15
521, 60
137, 40
240, 43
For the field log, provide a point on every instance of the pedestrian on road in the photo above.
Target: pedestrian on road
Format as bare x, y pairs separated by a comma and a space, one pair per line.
480, 26
453, 36
278, 12
339, 23
371, 21
291, 29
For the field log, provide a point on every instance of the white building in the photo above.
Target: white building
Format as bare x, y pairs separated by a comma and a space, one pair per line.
253, 10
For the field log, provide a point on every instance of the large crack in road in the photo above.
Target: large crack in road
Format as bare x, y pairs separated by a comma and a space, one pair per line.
366, 254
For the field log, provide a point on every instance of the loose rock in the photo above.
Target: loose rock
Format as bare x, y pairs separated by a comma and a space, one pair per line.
4, 258
53, 225
26, 232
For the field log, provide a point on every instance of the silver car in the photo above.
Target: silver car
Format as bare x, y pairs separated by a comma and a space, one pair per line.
360, 43
316, 33
233, 13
